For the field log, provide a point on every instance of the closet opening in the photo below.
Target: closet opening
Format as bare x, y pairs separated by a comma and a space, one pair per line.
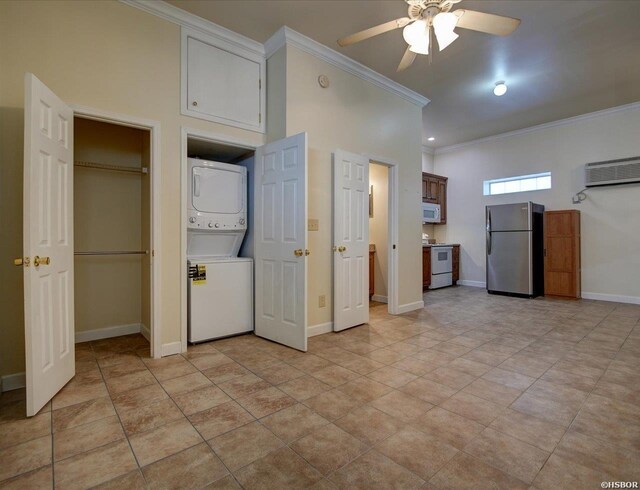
378, 238
113, 238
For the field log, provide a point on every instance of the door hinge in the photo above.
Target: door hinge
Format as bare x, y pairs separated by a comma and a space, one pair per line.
260, 83
260, 118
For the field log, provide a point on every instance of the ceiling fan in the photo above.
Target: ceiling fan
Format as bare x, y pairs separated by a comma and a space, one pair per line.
427, 14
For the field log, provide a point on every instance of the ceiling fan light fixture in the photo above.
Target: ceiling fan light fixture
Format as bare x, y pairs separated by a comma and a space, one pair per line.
500, 89
443, 24
416, 35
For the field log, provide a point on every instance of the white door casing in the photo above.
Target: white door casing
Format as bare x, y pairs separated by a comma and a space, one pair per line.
350, 240
280, 188
48, 233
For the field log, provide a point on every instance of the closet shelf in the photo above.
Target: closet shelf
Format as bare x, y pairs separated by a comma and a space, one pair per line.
114, 252
115, 168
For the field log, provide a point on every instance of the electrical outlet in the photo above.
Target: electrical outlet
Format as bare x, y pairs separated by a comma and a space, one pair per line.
313, 224
322, 301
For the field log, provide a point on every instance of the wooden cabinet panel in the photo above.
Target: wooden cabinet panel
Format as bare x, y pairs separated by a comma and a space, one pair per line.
434, 190
442, 200
455, 259
372, 284
562, 253
426, 267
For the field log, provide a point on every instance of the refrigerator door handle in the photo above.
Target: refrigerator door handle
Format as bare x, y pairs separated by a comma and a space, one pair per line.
488, 232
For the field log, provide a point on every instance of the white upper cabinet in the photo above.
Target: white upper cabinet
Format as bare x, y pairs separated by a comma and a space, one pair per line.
223, 81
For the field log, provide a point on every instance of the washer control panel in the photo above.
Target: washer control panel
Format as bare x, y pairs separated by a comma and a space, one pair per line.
203, 221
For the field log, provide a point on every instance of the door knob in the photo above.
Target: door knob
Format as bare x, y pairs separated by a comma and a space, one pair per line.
20, 261
342, 248
298, 252
41, 261
307, 251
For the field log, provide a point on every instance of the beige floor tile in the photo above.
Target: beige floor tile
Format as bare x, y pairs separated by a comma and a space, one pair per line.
220, 419
179, 367
24, 430
201, 399
415, 366
244, 385
420, 453
375, 471
244, 445
386, 355
266, 402
163, 441
293, 422
391, 376
192, 468
526, 365
207, 359
557, 376
494, 392
226, 372
94, 467
606, 423
75, 392
332, 404
82, 413
428, 390
510, 455
183, 384
335, 375
69, 442
485, 357
329, 448
535, 431
128, 366
36, 479
310, 363
25, 457
509, 378
369, 424
131, 481
466, 472
364, 389
279, 373
470, 367
449, 427
452, 348
450, 377
139, 397
473, 407
401, 406
361, 365
304, 387
280, 469
554, 411
130, 381
559, 472
149, 417
226, 483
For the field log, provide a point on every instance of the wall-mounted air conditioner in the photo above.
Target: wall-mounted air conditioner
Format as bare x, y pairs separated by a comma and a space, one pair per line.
612, 172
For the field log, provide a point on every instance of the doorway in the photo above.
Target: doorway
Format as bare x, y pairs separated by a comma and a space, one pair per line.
378, 238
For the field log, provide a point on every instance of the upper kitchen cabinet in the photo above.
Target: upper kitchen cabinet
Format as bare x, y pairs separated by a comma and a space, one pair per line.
434, 190
223, 81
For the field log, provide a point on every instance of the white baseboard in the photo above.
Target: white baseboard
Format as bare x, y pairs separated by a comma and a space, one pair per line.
108, 332
418, 305
146, 333
634, 300
13, 382
171, 348
319, 329
473, 284
379, 298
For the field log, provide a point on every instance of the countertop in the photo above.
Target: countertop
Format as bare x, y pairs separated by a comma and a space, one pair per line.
440, 245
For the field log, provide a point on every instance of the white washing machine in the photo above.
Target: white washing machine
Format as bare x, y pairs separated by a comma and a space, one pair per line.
220, 284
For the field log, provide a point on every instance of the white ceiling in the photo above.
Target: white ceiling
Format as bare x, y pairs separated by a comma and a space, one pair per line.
566, 58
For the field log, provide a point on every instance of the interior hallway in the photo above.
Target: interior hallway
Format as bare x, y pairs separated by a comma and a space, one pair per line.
473, 391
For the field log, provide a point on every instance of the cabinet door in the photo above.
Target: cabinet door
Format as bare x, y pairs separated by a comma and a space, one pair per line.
562, 253
426, 267
222, 86
433, 190
442, 200
455, 259
425, 189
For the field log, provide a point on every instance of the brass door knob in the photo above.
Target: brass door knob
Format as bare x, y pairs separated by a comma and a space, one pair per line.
307, 251
342, 248
298, 252
41, 261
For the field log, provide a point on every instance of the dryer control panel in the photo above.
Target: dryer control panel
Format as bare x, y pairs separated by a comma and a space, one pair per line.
204, 221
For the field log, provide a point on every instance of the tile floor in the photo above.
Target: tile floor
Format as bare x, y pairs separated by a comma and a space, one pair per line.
475, 391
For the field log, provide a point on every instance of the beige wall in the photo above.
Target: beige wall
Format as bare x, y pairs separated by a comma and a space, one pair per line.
610, 215
109, 56
379, 226
356, 116
107, 216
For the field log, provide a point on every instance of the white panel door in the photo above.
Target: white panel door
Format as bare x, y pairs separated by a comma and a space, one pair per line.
280, 189
48, 243
350, 240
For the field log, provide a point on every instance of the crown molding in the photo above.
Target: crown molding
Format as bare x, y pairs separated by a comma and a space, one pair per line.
428, 150
560, 122
287, 36
185, 19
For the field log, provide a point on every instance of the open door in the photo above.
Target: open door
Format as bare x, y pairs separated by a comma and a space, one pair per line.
280, 191
48, 243
350, 240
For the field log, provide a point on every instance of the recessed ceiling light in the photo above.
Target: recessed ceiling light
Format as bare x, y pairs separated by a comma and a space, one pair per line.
500, 88
431, 138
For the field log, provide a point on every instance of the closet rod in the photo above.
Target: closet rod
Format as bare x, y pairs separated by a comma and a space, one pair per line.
116, 168
115, 252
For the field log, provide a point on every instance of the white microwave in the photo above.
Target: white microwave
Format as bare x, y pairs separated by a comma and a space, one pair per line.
430, 212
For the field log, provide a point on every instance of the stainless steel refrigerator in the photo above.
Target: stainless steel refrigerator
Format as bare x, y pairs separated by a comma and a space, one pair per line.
515, 249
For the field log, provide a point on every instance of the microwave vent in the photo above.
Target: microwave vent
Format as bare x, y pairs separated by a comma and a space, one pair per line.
612, 172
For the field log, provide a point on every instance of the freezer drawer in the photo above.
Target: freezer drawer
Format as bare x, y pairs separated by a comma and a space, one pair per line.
222, 304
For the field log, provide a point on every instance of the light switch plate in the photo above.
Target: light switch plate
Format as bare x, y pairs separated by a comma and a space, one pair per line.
322, 301
313, 224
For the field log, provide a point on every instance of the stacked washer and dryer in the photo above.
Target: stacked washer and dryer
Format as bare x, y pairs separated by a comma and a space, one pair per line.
220, 284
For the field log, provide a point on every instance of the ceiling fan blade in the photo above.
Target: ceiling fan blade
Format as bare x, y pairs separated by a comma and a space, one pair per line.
374, 31
497, 25
407, 59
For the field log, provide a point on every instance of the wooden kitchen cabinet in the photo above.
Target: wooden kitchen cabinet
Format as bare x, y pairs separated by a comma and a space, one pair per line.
372, 283
562, 253
426, 267
434, 190
455, 260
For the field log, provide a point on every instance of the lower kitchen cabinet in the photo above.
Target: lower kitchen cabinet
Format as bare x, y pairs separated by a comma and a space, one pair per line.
426, 267
455, 259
